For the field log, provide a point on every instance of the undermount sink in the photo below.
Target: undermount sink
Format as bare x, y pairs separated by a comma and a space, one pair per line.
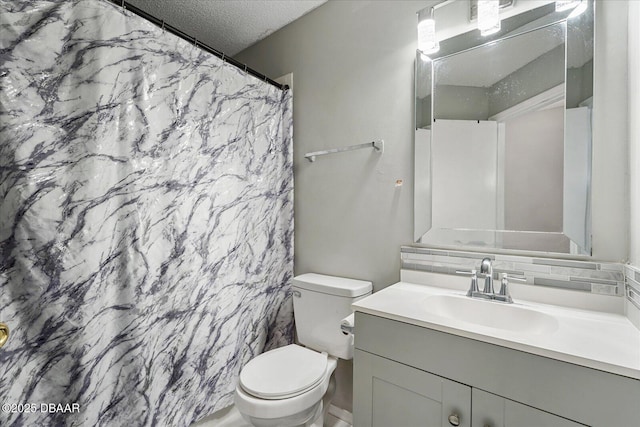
510, 317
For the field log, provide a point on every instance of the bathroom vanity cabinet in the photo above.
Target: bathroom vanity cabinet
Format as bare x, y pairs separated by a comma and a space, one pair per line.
492, 410
393, 394
407, 375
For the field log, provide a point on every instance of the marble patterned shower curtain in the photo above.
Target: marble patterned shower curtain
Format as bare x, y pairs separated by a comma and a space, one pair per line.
145, 219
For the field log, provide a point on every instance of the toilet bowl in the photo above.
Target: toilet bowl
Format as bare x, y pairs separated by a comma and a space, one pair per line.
286, 387
293, 385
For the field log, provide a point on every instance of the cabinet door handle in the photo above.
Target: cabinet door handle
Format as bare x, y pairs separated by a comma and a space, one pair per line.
454, 419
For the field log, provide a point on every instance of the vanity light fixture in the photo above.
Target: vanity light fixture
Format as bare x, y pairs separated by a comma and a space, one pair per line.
488, 17
578, 6
562, 5
581, 7
427, 40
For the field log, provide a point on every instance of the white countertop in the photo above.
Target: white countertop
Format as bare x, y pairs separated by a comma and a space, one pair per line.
603, 341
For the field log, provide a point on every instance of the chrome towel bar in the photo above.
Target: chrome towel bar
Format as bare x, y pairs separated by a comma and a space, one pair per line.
376, 145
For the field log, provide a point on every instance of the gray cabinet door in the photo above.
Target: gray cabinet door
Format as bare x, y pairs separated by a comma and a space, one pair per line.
390, 394
490, 410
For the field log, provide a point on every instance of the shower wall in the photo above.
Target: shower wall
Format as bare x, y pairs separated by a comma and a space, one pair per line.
146, 219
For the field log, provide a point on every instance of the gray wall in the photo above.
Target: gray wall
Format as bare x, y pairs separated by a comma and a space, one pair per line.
353, 65
460, 102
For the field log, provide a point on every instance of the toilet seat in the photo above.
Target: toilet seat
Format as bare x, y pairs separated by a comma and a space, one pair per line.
284, 372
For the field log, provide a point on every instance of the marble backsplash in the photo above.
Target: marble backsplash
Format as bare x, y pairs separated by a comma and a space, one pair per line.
632, 294
146, 237
585, 276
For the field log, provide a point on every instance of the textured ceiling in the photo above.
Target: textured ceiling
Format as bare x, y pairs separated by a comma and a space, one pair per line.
228, 25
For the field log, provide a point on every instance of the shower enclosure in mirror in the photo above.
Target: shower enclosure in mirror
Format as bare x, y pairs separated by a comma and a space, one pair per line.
503, 136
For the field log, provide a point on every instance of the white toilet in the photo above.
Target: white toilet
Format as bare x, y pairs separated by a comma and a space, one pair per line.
293, 385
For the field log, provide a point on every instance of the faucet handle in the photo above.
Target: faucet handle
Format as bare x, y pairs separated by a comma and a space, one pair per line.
504, 286
511, 278
474, 280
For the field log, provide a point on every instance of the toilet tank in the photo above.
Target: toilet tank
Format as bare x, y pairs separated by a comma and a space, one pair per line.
319, 304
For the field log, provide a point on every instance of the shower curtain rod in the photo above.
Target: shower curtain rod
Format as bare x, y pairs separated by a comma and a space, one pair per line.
173, 30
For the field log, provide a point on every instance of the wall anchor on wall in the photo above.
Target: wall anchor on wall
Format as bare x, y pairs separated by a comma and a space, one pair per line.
376, 145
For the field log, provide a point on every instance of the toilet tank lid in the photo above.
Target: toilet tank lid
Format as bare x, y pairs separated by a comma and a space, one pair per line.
332, 285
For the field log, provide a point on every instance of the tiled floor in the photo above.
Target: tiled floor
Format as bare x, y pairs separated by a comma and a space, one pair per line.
230, 417
332, 421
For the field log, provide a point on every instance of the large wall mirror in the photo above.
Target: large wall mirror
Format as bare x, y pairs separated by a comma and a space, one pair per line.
503, 136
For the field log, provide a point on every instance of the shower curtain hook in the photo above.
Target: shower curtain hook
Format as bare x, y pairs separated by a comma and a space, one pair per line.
245, 68
223, 60
122, 5
162, 25
195, 42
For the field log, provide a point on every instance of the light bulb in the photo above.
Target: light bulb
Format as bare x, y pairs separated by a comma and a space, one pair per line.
488, 16
427, 41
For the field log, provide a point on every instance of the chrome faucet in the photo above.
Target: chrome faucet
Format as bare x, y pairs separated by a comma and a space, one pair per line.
487, 269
